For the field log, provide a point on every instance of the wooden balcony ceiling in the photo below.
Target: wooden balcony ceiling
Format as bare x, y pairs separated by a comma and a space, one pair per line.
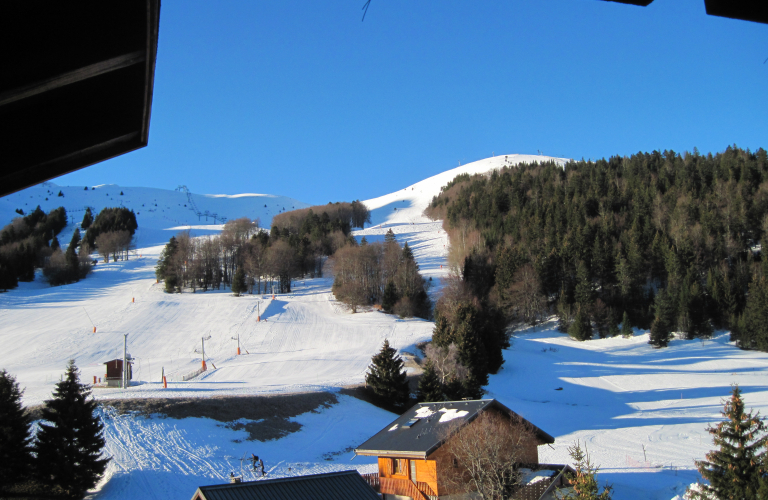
76, 86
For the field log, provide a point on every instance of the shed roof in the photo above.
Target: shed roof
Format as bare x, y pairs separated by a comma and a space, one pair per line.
419, 431
330, 486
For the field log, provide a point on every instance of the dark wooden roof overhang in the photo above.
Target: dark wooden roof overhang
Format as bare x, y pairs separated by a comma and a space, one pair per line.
76, 85
746, 10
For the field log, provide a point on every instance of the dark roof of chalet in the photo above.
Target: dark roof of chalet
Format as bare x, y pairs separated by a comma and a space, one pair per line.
345, 485
76, 85
419, 431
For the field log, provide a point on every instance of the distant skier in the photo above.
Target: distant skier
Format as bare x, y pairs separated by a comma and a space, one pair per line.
261, 466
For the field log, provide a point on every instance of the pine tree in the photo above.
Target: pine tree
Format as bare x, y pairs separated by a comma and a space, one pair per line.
626, 326
734, 470
581, 328
390, 297
163, 267
75, 241
754, 332
15, 448
363, 241
55, 243
430, 389
584, 481
386, 376
389, 237
661, 329
238, 282
87, 219
69, 444
584, 293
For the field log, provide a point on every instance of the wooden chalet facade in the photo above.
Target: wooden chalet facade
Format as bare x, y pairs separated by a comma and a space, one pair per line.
412, 457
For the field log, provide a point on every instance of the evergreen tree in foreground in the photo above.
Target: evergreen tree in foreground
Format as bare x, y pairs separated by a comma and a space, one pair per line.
430, 389
386, 376
15, 449
69, 444
735, 469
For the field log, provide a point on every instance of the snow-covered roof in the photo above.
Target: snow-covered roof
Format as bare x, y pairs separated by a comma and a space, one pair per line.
421, 430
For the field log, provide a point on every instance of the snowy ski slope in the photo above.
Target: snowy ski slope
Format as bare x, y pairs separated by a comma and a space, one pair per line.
642, 412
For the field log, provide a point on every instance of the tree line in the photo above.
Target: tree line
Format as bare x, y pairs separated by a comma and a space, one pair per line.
380, 273
111, 233
31, 242
659, 240
64, 458
247, 258
26, 242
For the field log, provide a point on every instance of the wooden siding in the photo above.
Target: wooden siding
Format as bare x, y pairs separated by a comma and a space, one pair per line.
426, 472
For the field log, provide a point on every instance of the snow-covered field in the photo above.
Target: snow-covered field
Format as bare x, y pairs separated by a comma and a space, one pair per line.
642, 412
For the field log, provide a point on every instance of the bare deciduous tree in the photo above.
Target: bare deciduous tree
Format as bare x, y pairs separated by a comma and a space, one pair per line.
446, 362
483, 457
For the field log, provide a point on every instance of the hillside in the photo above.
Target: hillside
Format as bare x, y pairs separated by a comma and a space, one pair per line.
159, 212
618, 395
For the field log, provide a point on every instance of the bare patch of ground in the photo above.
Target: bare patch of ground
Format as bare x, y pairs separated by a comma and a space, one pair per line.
269, 415
364, 393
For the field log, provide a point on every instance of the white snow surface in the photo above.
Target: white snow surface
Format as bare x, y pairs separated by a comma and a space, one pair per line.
641, 412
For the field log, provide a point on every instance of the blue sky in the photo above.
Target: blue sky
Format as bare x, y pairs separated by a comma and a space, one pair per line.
301, 98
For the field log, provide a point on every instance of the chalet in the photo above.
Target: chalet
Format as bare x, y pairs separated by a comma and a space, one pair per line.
345, 485
412, 456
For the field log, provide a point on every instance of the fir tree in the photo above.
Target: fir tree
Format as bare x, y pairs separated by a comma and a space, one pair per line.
734, 470
238, 282
73, 264
70, 441
390, 297
584, 293
626, 326
753, 333
430, 389
55, 244
661, 328
75, 241
363, 241
581, 328
613, 324
584, 481
386, 376
389, 237
15, 448
87, 219
163, 267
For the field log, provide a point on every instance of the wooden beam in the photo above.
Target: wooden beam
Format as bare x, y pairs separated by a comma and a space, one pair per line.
70, 77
